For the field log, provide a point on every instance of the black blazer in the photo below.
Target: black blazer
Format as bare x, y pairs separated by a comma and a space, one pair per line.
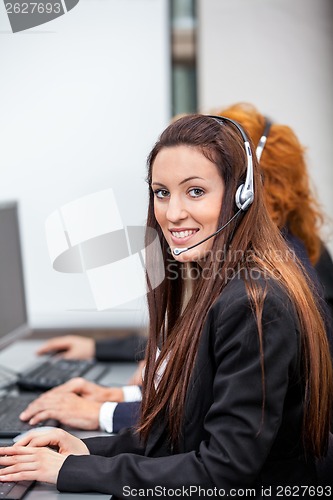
227, 442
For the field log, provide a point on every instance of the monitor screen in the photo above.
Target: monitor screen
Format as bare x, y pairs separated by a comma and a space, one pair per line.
13, 314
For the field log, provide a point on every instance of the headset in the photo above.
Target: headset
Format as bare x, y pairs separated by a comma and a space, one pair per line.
263, 138
245, 192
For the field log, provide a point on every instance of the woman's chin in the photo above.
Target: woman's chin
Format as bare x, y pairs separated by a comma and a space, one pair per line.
189, 256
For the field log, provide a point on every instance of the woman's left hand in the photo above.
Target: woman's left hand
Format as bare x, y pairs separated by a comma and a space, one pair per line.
29, 463
31, 459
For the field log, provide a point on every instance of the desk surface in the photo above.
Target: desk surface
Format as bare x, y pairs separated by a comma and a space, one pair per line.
43, 491
24, 354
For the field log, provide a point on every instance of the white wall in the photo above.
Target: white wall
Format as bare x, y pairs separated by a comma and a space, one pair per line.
276, 54
82, 100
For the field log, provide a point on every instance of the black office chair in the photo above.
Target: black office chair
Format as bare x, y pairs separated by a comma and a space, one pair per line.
325, 466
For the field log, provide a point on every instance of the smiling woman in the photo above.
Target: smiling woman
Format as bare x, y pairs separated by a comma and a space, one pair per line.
237, 387
188, 191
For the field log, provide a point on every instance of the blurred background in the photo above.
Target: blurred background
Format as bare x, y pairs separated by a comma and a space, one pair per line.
84, 97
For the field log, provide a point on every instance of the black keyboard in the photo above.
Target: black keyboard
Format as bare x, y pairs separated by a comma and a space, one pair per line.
57, 371
14, 491
10, 409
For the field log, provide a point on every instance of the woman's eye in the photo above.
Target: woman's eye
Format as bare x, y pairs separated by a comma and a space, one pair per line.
196, 192
161, 193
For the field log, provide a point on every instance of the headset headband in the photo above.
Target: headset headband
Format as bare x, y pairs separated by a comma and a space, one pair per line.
263, 138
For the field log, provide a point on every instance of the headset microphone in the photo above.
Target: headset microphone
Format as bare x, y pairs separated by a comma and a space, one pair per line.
245, 193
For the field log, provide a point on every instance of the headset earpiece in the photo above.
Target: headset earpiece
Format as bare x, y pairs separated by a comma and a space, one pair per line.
243, 201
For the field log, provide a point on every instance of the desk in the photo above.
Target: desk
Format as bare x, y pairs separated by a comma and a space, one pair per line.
43, 491
24, 353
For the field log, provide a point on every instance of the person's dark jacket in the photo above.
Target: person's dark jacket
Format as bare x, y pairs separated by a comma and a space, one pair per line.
235, 435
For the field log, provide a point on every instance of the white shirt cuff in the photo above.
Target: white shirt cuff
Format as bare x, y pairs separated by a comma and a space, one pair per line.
131, 393
106, 416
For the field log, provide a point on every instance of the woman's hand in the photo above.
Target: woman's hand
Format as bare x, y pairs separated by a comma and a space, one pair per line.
90, 390
71, 347
29, 459
70, 409
26, 464
66, 443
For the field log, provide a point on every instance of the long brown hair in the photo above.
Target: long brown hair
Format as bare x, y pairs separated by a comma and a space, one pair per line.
288, 191
177, 332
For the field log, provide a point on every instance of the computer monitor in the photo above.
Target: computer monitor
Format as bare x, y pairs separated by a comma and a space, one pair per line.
13, 313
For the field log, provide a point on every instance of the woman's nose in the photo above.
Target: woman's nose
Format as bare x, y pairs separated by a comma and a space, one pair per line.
176, 209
